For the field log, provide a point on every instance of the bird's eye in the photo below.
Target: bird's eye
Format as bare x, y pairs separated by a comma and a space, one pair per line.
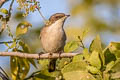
57, 17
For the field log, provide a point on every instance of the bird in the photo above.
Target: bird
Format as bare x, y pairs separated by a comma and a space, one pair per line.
53, 37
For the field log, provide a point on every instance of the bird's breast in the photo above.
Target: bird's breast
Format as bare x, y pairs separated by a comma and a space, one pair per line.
53, 39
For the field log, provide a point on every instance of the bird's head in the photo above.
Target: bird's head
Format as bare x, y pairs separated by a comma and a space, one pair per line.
57, 17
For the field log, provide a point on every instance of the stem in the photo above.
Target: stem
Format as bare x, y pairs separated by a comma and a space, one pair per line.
10, 8
4, 72
37, 56
81, 42
32, 75
6, 42
42, 15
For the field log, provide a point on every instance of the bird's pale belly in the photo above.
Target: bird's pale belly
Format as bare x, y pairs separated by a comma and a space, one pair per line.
53, 42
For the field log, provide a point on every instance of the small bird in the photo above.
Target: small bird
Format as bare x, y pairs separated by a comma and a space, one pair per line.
53, 37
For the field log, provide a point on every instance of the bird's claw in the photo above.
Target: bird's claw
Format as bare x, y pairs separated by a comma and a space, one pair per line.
60, 54
39, 54
50, 55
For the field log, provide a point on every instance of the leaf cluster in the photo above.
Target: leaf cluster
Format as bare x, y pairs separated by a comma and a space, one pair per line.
94, 63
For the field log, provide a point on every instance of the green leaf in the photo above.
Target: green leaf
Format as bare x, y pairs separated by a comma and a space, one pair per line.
96, 45
24, 46
24, 67
84, 32
13, 45
71, 46
14, 68
63, 62
109, 66
32, 62
78, 58
116, 66
19, 68
75, 66
45, 75
78, 75
93, 70
114, 48
106, 76
26, 49
43, 64
115, 45
95, 60
108, 56
3, 10
86, 54
6, 44
22, 28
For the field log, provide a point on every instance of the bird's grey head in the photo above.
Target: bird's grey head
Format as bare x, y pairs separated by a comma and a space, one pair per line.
58, 16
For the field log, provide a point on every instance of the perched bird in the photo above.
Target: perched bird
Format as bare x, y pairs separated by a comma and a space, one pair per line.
53, 37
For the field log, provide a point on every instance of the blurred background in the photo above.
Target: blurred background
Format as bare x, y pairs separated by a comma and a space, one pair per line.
97, 16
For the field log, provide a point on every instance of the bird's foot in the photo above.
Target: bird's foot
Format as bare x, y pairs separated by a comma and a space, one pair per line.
60, 54
39, 54
50, 55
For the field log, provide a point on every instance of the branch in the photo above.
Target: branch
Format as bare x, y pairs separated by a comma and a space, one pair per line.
7, 16
10, 9
41, 14
38, 56
6, 42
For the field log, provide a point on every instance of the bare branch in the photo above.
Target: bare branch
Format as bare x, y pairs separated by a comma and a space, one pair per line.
37, 56
6, 42
10, 9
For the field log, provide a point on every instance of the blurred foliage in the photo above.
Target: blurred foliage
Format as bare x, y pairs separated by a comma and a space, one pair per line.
28, 6
99, 15
19, 16
22, 28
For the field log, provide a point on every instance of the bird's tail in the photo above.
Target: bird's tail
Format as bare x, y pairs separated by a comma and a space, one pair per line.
52, 65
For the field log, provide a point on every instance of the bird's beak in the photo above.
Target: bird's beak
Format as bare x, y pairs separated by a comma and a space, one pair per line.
67, 15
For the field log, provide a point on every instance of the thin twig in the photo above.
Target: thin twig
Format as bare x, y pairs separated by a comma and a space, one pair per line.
10, 8
42, 15
3, 76
32, 75
81, 42
4, 73
37, 56
6, 42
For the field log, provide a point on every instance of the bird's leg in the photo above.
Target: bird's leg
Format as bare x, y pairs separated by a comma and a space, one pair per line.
60, 54
40, 54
